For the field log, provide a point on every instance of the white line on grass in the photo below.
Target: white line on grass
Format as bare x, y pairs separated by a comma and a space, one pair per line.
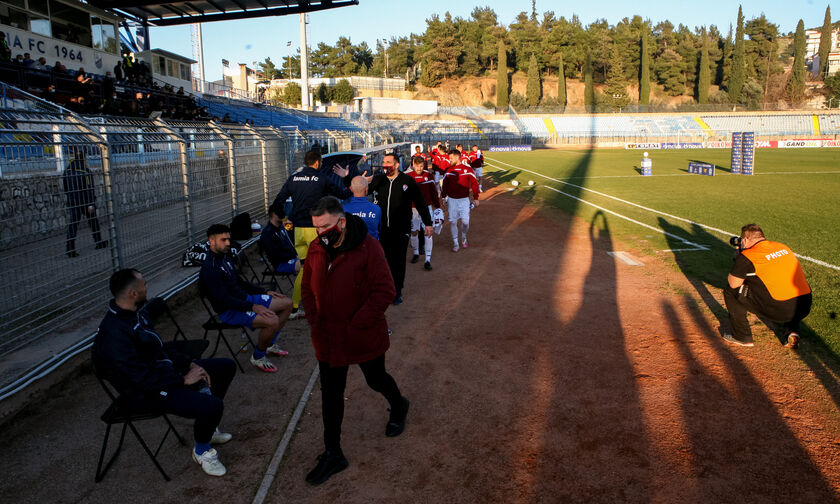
692, 175
271, 471
652, 210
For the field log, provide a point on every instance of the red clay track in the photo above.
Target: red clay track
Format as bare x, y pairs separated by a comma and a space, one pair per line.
539, 368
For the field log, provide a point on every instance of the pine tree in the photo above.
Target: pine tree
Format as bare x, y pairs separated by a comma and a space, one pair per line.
561, 84
502, 79
796, 86
825, 42
644, 70
533, 88
588, 89
616, 89
704, 74
736, 73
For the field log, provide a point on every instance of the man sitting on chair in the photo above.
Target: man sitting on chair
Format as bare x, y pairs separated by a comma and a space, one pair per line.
240, 303
278, 245
129, 354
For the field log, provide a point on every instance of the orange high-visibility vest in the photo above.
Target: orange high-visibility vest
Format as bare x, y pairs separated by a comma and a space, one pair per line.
779, 269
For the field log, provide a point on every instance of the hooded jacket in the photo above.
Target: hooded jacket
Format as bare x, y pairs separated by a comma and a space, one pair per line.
345, 293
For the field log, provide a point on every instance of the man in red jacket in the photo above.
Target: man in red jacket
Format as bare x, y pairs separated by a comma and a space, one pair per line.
346, 288
426, 181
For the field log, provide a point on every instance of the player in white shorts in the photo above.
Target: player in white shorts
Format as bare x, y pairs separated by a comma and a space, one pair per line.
425, 180
457, 184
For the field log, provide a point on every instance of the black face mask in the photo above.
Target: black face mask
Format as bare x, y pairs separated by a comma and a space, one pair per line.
330, 237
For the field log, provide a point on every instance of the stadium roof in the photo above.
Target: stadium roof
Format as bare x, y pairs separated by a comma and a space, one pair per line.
205, 11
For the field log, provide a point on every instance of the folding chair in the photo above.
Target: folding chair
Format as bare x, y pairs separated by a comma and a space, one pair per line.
215, 324
121, 413
269, 270
192, 348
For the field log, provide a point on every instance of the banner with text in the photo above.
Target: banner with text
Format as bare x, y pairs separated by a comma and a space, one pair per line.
509, 148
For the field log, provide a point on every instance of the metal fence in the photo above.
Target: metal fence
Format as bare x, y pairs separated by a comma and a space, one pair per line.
80, 197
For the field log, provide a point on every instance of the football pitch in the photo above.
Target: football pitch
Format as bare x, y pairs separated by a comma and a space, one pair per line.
794, 195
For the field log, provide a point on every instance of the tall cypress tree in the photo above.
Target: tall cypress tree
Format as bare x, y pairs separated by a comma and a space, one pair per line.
704, 75
644, 69
561, 84
825, 42
502, 92
533, 87
796, 86
736, 73
588, 89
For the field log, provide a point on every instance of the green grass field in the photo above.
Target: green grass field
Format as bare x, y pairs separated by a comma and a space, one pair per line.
794, 196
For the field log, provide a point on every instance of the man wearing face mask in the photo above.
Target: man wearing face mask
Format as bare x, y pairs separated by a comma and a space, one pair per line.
346, 289
395, 192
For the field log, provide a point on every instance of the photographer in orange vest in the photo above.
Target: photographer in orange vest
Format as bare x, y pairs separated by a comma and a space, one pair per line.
767, 280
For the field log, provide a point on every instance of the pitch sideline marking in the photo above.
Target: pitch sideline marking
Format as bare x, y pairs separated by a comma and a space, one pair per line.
273, 466
648, 226
652, 210
626, 258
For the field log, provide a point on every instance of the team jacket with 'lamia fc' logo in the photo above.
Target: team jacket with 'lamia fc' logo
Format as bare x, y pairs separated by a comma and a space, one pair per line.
306, 187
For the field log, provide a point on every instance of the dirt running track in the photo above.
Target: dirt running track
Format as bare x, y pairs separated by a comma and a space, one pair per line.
539, 368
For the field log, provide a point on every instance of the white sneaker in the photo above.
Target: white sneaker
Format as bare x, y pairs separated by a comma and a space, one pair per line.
276, 350
264, 364
296, 314
209, 462
220, 437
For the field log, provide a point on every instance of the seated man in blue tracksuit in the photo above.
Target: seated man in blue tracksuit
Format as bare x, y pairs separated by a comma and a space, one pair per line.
129, 354
278, 245
240, 303
362, 207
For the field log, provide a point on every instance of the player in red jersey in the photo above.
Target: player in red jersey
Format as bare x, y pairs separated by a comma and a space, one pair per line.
477, 163
426, 181
457, 184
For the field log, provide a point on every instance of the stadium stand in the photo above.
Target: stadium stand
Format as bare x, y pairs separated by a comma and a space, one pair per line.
762, 124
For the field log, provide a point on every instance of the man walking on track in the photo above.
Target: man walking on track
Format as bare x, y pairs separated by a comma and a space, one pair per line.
347, 287
426, 181
395, 192
81, 202
457, 183
306, 187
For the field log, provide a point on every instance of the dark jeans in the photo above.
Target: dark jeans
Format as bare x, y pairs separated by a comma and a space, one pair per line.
188, 402
76, 214
789, 313
395, 244
333, 382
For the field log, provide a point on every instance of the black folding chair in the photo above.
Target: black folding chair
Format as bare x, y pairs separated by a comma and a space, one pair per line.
215, 324
121, 412
270, 272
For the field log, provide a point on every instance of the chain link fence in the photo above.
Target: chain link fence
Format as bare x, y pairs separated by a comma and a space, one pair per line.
81, 197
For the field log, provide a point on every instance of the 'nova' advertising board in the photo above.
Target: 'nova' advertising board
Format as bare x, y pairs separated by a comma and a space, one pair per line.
509, 148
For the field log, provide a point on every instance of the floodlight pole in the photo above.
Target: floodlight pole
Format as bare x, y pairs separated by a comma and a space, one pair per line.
304, 64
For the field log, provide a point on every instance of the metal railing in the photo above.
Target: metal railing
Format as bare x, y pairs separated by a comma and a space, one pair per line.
81, 197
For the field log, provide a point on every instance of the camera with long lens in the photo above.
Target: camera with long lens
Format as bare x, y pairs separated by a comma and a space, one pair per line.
735, 241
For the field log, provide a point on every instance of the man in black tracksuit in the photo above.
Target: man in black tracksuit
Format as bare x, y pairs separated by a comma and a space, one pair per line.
394, 192
81, 201
306, 187
130, 355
